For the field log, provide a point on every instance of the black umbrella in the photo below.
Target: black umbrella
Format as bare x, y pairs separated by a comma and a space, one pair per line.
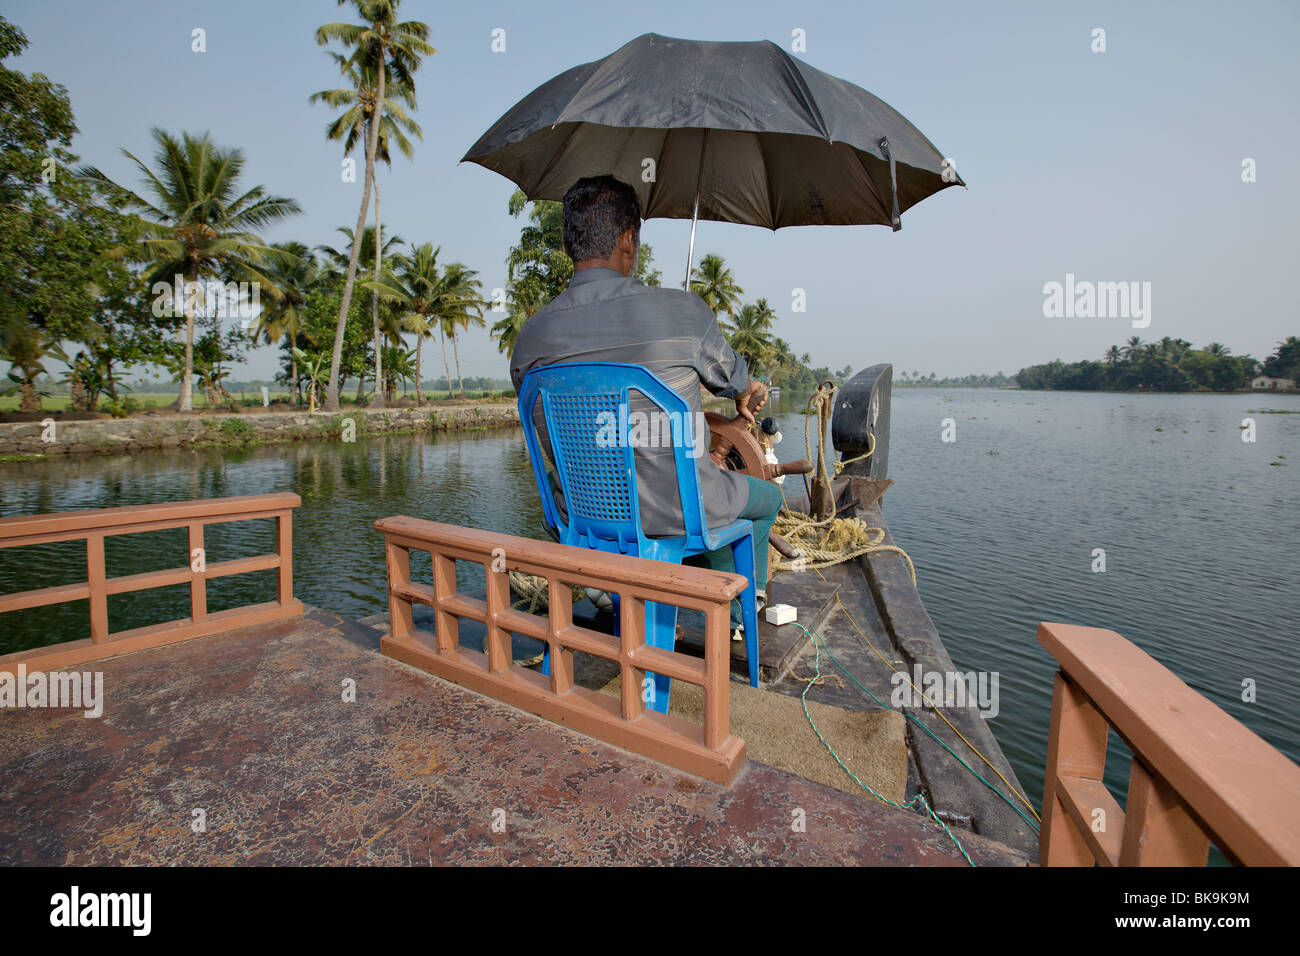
731, 132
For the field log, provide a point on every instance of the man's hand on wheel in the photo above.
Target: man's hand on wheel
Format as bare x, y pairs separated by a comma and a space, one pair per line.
751, 400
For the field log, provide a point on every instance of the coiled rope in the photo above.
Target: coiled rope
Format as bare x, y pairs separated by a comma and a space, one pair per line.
832, 540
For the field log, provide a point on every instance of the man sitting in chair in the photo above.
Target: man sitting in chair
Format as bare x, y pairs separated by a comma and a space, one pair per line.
605, 315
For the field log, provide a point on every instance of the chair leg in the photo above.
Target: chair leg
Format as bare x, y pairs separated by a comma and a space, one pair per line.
742, 551
661, 619
661, 632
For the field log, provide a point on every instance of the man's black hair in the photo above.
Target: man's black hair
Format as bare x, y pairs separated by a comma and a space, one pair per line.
597, 210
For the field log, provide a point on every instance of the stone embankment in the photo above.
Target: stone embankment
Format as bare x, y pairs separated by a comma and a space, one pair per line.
125, 436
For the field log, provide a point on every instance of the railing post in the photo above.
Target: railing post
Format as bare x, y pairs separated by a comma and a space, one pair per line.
497, 641
717, 669
1076, 747
97, 580
198, 579
444, 585
399, 575
631, 611
559, 615
284, 545
1158, 831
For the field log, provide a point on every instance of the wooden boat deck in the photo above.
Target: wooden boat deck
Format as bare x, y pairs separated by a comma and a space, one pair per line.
250, 728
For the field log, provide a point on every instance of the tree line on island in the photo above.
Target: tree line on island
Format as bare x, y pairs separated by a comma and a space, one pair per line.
1169, 365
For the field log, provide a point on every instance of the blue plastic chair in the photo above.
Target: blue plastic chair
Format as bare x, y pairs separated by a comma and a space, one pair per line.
600, 490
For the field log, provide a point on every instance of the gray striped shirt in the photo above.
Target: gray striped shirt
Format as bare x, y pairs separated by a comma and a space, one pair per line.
604, 316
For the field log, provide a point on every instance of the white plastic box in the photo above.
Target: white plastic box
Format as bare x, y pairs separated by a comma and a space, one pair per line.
781, 613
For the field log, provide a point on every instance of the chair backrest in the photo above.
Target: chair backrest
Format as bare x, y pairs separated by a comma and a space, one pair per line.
586, 407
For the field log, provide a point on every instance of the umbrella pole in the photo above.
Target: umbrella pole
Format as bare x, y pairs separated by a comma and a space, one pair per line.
690, 251
695, 213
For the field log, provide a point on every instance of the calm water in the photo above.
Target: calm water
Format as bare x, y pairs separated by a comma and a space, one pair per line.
1200, 533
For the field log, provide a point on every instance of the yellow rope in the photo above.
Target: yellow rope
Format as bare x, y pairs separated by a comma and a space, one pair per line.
871, 447
844, 538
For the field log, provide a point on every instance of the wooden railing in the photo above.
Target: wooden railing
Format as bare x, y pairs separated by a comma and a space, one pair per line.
709, 751
94, 526
1198, 775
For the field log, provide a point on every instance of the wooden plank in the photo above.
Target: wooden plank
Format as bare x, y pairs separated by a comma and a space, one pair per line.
444, 585
284, 556
497, 640
631, 611
1159, 831
79, 523
40, 597
588, 577
717, 699
520, 622
462, 605
579, 638
1242, 789
1082, 799
198, 578
127, 583
663, 577
95, 578
147, 580
413, 591
559, 618
671, 664
18, 541
399, 590
1076, 747
259, 562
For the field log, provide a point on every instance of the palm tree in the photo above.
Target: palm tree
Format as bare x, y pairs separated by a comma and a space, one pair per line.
781, 356
1112, 356
199, 225
460, 307
762, 315
294, 270
1218, 350
382, 47
338, 258
749, 337
522, 305
422, 328
359, 103
427, 296
713, 282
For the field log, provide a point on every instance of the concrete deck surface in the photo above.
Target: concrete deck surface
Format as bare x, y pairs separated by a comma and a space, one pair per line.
250, 727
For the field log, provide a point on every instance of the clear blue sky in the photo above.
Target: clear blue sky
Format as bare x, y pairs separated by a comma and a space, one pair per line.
1115, 166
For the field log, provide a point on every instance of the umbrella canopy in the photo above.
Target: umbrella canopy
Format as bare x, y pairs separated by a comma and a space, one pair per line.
731, 132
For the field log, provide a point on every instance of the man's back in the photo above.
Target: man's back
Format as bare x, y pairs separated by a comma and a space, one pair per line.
606, 317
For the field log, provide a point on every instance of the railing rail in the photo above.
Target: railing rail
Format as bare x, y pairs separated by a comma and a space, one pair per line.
709, 751
1198, 775
94, 526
